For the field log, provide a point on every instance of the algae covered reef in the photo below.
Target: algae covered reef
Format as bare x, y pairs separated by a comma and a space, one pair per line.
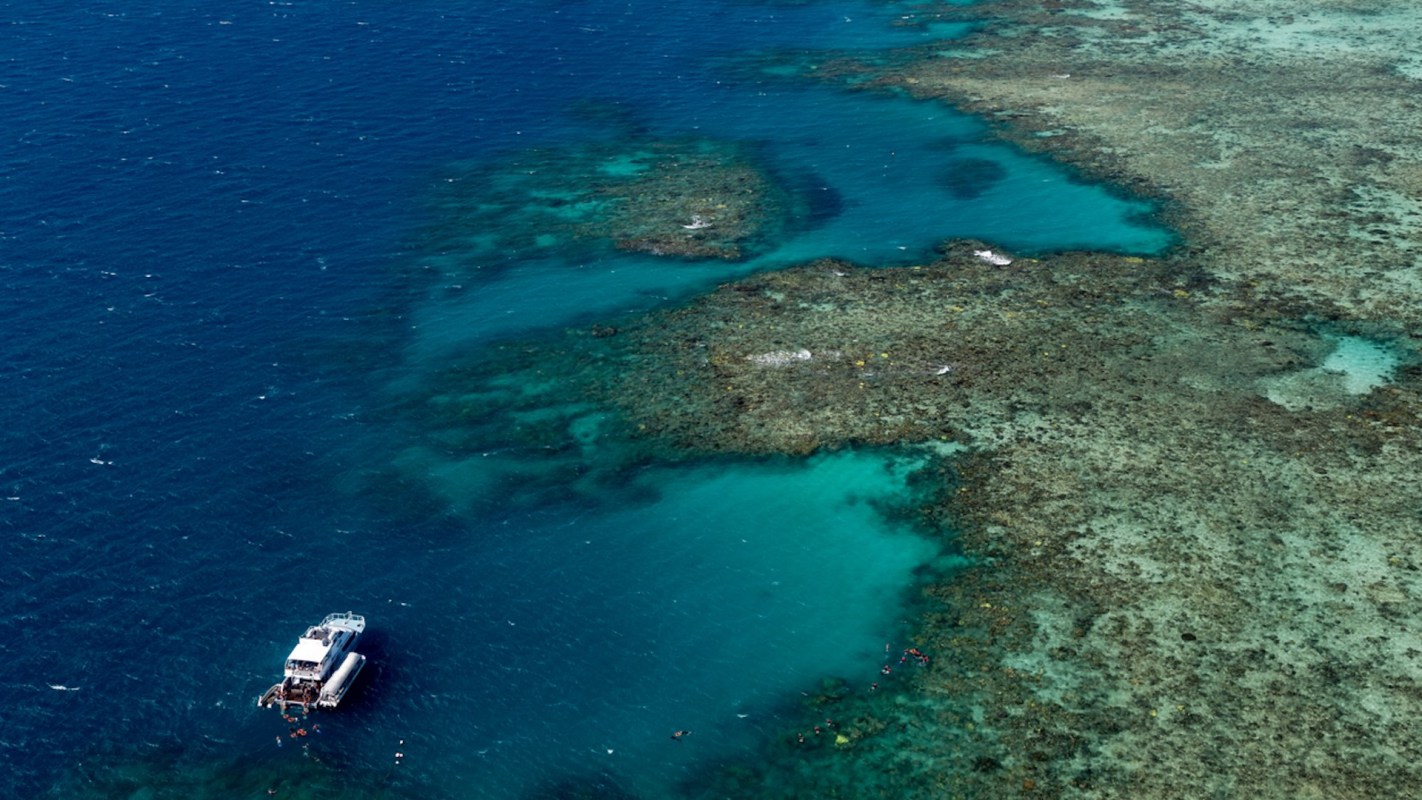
689, 198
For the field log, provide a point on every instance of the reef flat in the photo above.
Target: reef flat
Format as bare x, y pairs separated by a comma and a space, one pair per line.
1191, 586
688, 198
1199, 535
1284, 135
1190, 482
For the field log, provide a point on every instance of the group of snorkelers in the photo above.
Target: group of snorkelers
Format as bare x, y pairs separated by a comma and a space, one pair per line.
816, 730
913, 654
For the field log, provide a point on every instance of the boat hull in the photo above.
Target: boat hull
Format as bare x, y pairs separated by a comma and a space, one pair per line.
340, 683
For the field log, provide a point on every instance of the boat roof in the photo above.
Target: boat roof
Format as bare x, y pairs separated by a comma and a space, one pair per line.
309, 650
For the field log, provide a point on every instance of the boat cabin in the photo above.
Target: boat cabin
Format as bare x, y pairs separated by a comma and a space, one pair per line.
318, 652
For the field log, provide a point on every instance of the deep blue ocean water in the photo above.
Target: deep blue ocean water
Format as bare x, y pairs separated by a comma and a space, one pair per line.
206, 220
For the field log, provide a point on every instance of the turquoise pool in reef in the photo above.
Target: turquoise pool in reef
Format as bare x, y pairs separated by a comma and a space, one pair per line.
214, 283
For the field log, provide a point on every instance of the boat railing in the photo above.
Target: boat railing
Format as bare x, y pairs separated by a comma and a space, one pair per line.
345, 616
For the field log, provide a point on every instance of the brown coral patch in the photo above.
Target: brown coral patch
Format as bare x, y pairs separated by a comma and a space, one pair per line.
684, 198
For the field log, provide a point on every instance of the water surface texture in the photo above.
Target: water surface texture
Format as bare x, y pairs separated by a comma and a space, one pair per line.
206, 260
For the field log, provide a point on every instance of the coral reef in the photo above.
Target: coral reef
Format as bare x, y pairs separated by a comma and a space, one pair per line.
1173, 559
1200, 565
1197, 533
1191, 586
1285, 137
688, 198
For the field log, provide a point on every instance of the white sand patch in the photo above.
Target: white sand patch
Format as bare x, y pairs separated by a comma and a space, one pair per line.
780, 358
1104, 10
992, 257
1385, 34
1384, 215
1355, 367
1364, 364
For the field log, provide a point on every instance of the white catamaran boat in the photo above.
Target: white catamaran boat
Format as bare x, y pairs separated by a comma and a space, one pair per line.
322, 666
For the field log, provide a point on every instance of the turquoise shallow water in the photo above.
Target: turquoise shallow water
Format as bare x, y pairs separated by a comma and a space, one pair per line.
898, 181
208, 294
909, 174
702, 607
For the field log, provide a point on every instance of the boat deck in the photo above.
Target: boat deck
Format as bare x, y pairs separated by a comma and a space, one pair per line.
306, 697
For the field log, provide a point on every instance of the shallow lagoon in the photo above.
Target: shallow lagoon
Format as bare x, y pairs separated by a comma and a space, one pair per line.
883, 187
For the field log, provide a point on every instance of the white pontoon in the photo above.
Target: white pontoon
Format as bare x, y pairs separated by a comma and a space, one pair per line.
322, 666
